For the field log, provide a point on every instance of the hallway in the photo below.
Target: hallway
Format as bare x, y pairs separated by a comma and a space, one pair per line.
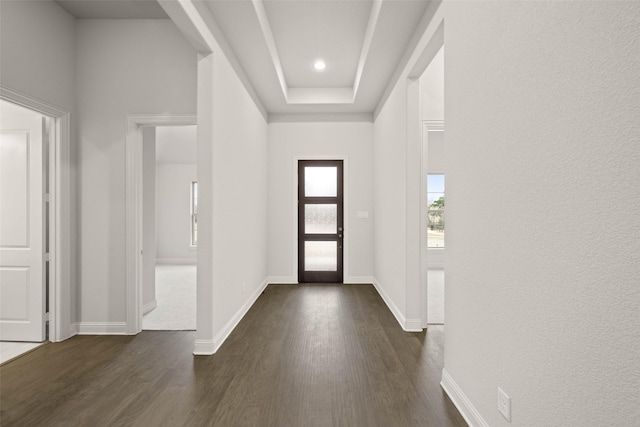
305, 355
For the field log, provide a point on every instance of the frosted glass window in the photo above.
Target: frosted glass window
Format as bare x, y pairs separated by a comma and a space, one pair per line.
320, 181
320, 256
320, 219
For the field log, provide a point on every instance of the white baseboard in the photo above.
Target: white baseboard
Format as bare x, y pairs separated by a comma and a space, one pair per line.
287, 280
464, 405
73, 330
204, 348
176, 261
394, 309
209, 347
149, 306
408, 325
100, 328
282, 280
358, 280
413, 325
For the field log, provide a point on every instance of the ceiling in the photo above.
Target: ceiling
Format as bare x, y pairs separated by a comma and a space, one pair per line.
275, 43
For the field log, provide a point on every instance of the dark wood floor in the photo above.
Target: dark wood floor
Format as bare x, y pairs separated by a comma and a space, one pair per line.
308, 355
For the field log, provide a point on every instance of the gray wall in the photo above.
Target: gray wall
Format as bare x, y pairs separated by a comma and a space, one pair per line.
124, 67
543, 253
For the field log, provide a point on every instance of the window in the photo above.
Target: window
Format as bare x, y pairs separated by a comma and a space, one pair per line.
435, 210
194, 213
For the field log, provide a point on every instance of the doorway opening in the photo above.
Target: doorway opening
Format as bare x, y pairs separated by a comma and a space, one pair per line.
141, 223
320, 221
433, 183
425, 121
170, 239
26, 237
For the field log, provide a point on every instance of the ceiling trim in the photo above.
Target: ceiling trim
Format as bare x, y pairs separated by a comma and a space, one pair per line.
196, 22
328, 95
267, 33
410, 50
320, 117
310, 95
366, 45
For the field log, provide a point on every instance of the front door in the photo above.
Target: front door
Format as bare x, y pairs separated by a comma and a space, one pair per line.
320, 221
22, 295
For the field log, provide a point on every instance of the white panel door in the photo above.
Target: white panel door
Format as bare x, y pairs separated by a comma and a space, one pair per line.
22, 295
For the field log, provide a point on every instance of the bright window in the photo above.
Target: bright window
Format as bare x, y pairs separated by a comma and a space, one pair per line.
435, 210
194, 213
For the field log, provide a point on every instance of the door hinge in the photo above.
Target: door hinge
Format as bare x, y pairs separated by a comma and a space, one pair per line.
47, 197
47, 316
47, 257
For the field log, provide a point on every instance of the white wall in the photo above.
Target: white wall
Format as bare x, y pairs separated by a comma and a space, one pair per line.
542, 110
435, 150
232, 144
349, 141
38, 57
176, 157
542, 113
432, 89
389, 201
173, 213
148, 218
38, 51
177, 144
123, 67
239, 196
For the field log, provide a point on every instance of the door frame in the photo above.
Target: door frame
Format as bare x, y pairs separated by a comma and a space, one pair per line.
427, 126
60, 279
134, 211
345, 207
340, 222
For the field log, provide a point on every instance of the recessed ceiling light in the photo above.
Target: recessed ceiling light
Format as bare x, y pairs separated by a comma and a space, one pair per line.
319, 65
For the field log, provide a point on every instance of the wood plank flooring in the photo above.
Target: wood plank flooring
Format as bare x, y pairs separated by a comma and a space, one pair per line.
304, 355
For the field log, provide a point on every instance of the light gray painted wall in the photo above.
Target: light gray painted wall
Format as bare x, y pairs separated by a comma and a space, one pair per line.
176, 156
38, 58
542, 297
148, 217
173, 213
436, 149
351, 141
38, 51
124, 67
239, 193
389, 199
176, 144
432, 88
541, 110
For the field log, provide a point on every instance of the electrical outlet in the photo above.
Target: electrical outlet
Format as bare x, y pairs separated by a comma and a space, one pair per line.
504, 404
244, 288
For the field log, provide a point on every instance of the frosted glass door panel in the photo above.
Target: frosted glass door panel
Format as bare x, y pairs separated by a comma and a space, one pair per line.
320, 181
321, 219
320, 256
